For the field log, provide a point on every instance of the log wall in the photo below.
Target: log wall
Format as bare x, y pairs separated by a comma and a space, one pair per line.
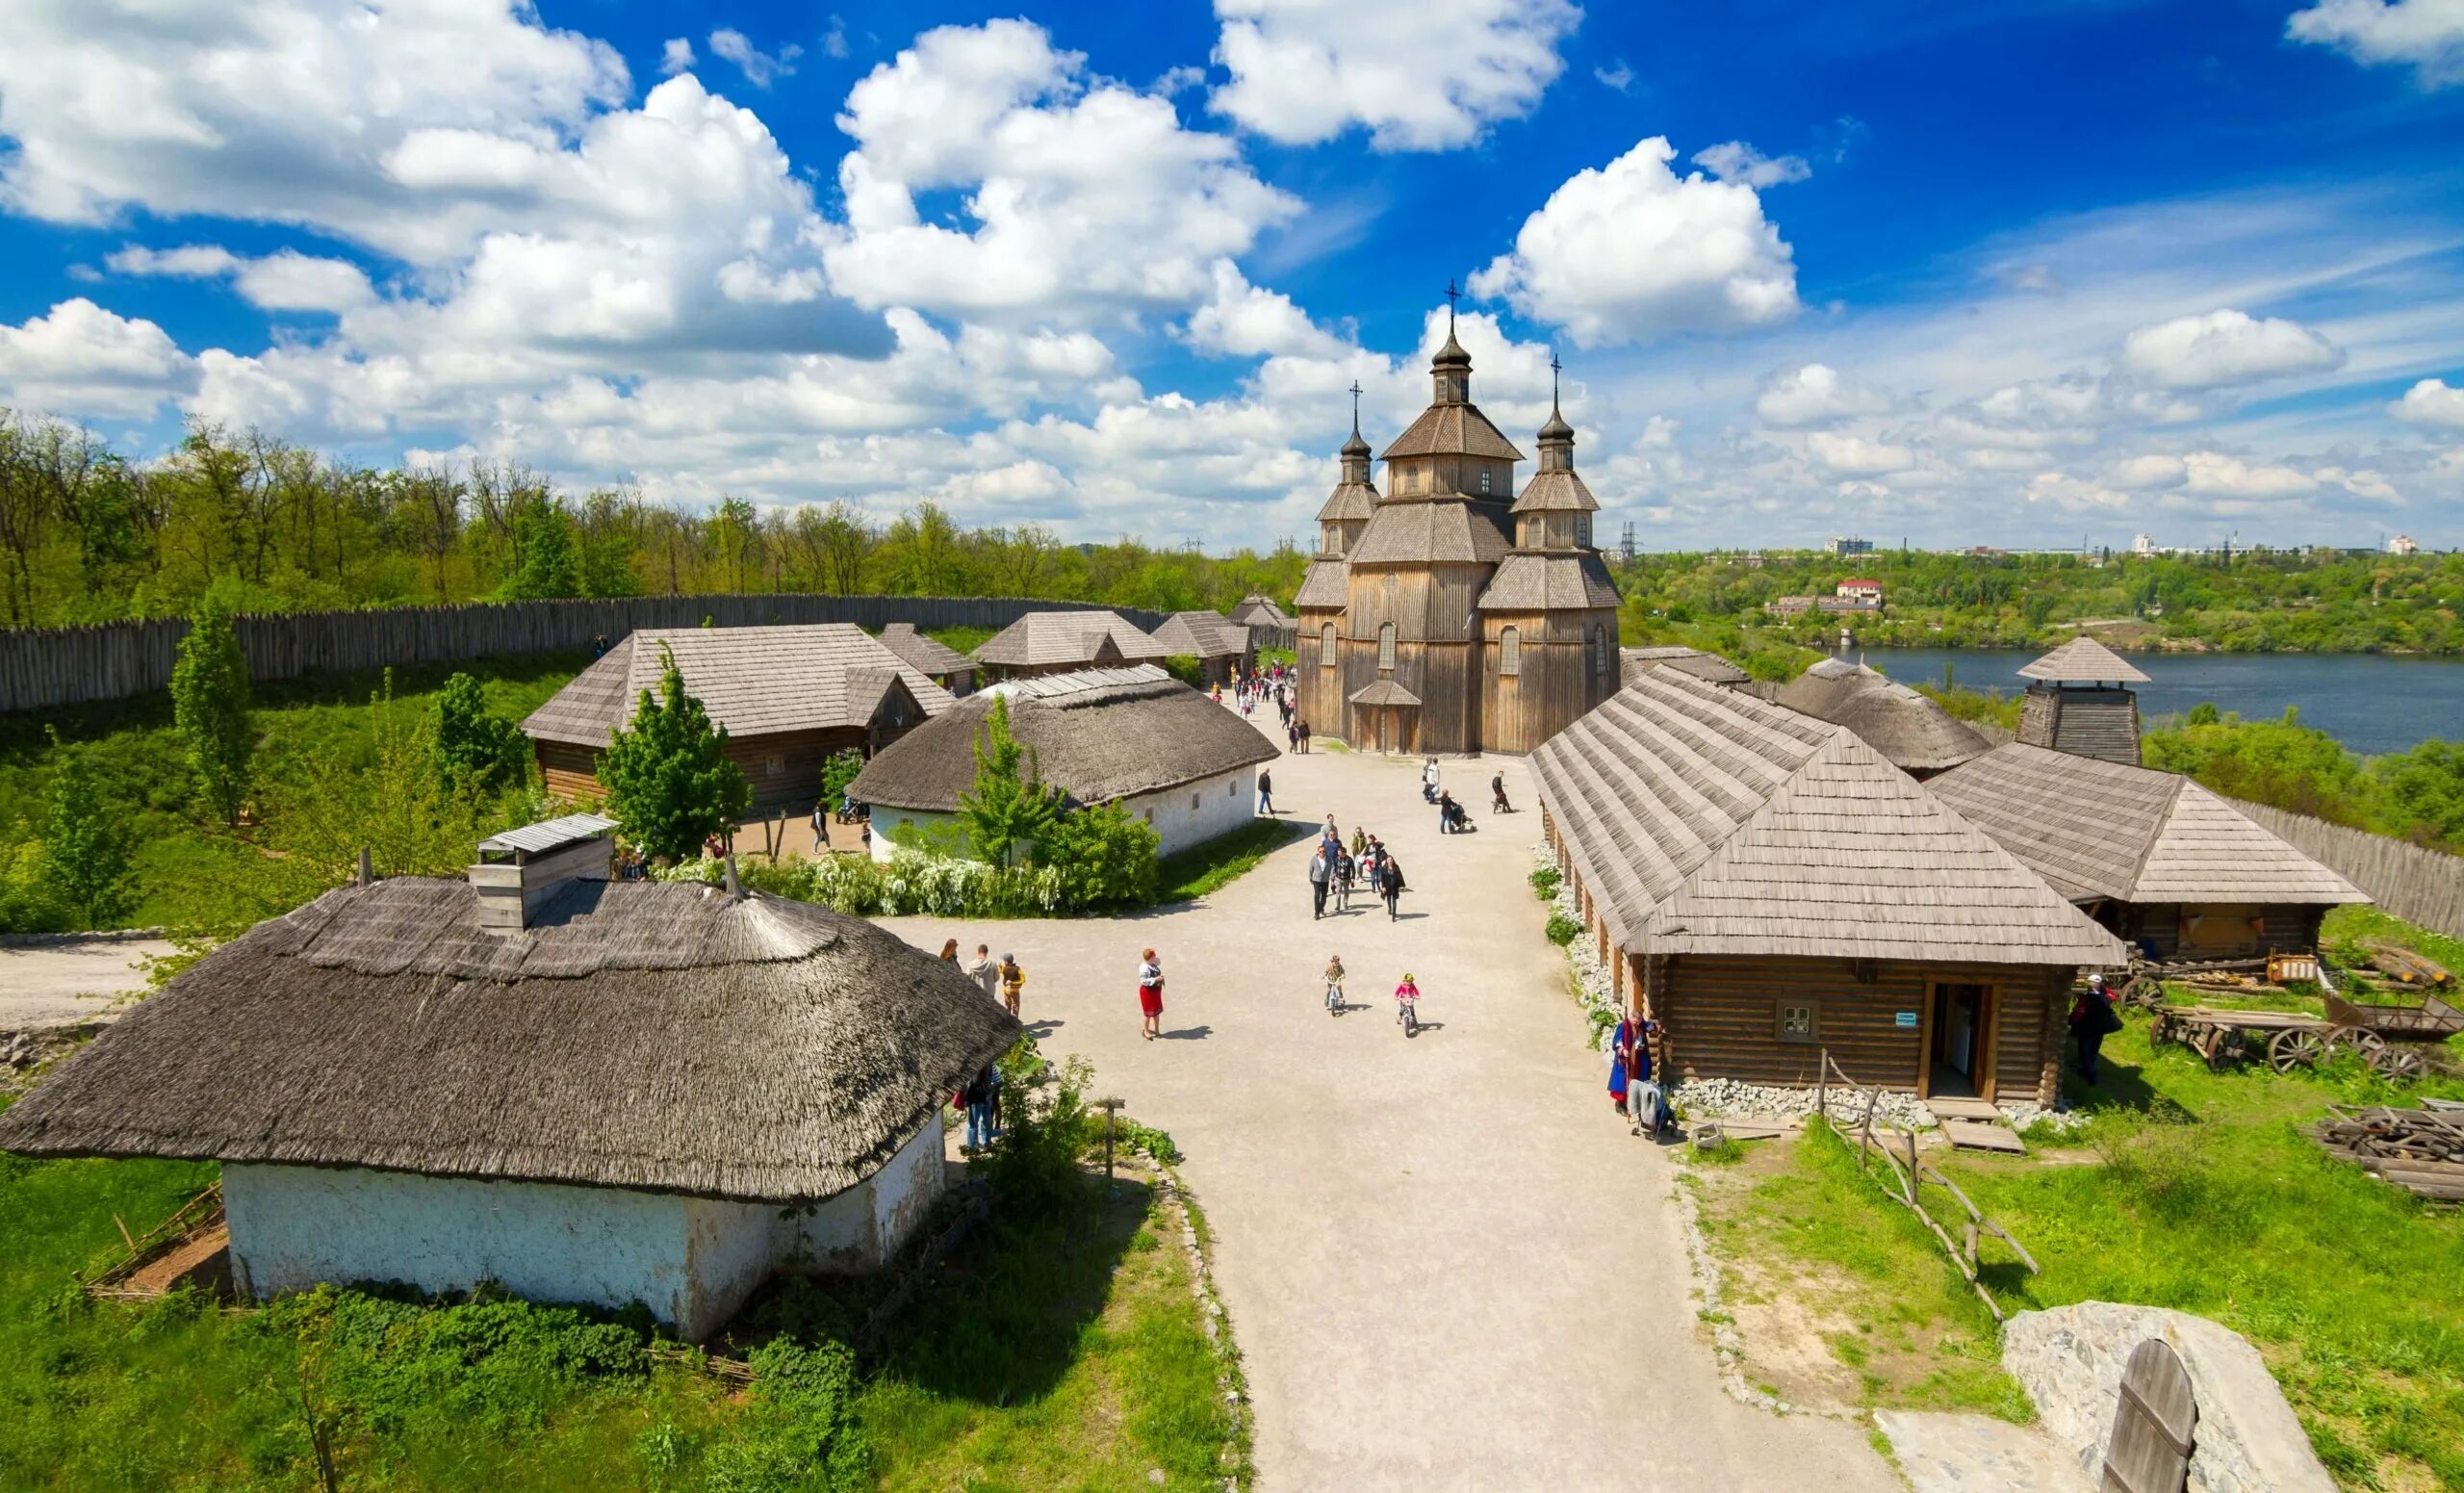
45, 667
2418, 885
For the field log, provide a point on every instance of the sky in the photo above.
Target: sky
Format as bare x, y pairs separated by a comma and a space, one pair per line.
2013, 273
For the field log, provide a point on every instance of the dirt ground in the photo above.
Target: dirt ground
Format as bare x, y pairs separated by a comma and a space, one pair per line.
62, 984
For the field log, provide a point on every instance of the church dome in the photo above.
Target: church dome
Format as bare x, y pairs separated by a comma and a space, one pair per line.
1355, 447
1557, 430
1452, 355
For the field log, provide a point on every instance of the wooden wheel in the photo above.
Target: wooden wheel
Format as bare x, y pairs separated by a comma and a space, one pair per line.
2344, 1039
2369, 1043
2296, 1047
2397, 1063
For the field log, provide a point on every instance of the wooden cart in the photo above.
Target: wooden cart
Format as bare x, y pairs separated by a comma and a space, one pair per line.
2143, 985
2287, 1039
2393, 1039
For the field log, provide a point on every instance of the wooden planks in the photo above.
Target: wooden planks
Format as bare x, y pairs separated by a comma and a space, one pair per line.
2155, 1424
1977, 1135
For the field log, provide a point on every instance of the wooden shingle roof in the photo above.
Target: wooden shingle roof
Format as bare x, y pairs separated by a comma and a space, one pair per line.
1417, 531
1706, 666
929, 654
1527, 581
1914, 732
1203, 634
1556, 492
2106, 830
1451, 429
1326, 587
1706, 821
2083, 660
752, 681
1040, 639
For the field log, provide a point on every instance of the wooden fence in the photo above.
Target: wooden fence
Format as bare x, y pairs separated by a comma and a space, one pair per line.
45, 667
2424, 887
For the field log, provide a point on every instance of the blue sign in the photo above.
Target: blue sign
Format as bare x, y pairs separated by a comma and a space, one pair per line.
1908, 1018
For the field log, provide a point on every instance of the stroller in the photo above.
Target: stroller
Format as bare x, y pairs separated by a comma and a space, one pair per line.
1452, 817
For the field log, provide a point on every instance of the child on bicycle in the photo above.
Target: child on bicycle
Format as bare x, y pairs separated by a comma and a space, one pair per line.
1334, 982
1406, 1000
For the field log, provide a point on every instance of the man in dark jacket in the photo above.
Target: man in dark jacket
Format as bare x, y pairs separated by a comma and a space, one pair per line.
2092, 1019
1321, 870
1390, 884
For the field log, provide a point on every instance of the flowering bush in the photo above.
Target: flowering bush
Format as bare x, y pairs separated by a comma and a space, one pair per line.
911, 883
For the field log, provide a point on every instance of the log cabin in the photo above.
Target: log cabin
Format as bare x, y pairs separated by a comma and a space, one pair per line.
934, 659
2166, 864
1768, 888
790, 698
1218, 643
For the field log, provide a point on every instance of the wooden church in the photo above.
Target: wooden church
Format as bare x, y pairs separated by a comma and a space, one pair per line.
1447, 614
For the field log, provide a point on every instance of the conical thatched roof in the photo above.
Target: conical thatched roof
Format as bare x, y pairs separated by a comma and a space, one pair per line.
1706, 821
752, 681
1042, 639
2083, 660
1913, 732
649, 1036
2107, 830
1098, 734
1202, 634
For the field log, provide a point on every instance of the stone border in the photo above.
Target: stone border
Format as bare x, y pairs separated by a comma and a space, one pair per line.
1196, 1239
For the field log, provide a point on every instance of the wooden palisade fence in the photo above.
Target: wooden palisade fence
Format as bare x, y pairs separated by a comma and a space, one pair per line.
2418, 885
45, 667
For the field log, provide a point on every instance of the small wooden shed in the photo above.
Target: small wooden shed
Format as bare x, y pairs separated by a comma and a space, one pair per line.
1215, 641
1768, 888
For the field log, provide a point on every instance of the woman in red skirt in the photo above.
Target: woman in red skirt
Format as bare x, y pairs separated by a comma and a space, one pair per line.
1150, 995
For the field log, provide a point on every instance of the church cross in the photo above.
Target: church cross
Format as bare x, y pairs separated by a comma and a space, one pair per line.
1451, 295
1553, 367
1356, 406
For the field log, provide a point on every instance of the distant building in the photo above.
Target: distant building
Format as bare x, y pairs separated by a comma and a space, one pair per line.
1848, 606
1059, 642
1984, 552
1788, 606
2402, 544
1835, 545
1858, 589
2143, 544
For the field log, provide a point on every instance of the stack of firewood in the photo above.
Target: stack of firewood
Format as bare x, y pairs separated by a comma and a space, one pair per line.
2420, 1150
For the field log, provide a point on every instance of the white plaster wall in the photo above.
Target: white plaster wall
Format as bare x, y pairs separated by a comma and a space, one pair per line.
886, 819
1226, 801
295, 1226
905, 1190
730, 1249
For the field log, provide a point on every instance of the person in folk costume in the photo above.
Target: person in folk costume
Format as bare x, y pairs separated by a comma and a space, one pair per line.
1150, 995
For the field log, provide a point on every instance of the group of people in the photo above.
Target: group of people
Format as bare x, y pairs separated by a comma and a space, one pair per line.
1336, 867
1452, 817
1270, 684
1000, 980
1637, 1096
850, 811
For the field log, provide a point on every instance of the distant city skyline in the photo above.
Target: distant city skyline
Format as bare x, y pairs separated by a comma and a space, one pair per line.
1996, 274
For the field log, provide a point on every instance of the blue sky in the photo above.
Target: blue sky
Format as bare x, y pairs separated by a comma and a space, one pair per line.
2005, 274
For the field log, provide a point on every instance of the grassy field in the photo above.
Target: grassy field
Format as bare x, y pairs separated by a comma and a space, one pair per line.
1061, 1347
2188, 1189
1216, 864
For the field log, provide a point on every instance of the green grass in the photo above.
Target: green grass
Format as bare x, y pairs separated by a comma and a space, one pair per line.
965, 640
1212, 866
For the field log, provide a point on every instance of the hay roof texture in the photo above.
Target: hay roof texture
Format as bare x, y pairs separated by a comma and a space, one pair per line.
1097, 735
1706, 821
752, 681
2106, 830
649, 1036
1913, 733
2083, 660
1709, 668
1420, 531
927, 655
1042, 639
1203, 634
1526, 582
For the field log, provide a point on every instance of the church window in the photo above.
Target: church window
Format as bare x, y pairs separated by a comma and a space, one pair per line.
1326, 646
1600, 649
1386, 647
1583, 530
1485, 481
1510, 651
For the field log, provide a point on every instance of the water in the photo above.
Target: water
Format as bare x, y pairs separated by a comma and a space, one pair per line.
2370, 702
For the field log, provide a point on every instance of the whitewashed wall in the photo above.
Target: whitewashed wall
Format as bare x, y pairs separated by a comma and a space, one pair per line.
1223, 804
691, 1260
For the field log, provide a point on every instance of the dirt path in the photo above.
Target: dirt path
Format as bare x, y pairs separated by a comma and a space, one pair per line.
1447, 1265
46, 985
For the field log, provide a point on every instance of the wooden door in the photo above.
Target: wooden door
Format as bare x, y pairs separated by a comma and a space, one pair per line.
1959, 1039
2154, 1425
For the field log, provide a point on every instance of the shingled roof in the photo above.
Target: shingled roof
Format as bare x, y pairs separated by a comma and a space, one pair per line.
752, 681
1097, 734
1040, 639
1527, 581
1260, 611
2098, 828
1709, 668
640, 1035
1326, 587
1203, 634
1913, 733
1418, 531
2083, 660
927, 655
1706, 821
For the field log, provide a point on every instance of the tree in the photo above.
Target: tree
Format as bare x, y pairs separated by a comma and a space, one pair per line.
1010, 807
544, 562
209, 710
25, 513
87, 844
668, 778
412, 818
476, 748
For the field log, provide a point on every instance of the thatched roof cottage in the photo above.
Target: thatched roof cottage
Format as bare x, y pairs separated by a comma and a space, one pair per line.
2164, 863
1057, 642
790, 697
1136, 736
648, 1091
936, 660
1215, 641
1768, 888
1912, 733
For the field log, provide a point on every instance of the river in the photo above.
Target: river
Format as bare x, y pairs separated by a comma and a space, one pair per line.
2370, 702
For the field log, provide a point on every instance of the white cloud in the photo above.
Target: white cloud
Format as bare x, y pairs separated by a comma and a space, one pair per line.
2432, 401
1420, 74
2214, 475
1814, 393
1624, 253
2224, 347
676, 57
2075, 495
80, 359
2427, 33
1087, 198
1737, 161
286, 280
834, 41
1858, 456
760, 69
1245, 321
1616, 75
2146, 474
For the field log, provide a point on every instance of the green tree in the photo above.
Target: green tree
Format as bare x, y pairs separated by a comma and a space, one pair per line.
546, 563
669, 780
1011, 808
87, 844
209, 710
1106, 859
401, 807
475, 747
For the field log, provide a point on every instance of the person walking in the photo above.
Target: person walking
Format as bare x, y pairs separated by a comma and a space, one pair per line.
1150, 995
1266, 792
1497, 797
984, 973
1012, 980
1359, 841
1390, 884
981, 1094
2091, 1021
1321, 871
1428, 781
1333, 833
1448, 812
820, 825
1304, 738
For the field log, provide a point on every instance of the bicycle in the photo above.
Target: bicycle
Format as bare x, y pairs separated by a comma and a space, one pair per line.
1407, 997
1334, 999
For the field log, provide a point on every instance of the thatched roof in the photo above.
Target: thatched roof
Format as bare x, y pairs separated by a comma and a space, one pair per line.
1527, 581
650, 1036
1260, 611
1913, 733
1706, 821
752, 681
1326, 587
1097, 735
1042, 639
1709, 668
2107, 830
1409, 531
927, 655
2083, 660
1203, 634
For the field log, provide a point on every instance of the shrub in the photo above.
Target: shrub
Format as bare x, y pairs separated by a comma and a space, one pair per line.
475, 747
209, 710
1546, 881
1562, 929
837, 771
1105, 858
87, 844
1188, 668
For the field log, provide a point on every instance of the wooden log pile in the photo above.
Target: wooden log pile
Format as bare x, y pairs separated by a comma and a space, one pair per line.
2406, 967
2420, 1150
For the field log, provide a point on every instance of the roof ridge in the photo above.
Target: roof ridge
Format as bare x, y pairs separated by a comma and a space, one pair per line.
2156, 833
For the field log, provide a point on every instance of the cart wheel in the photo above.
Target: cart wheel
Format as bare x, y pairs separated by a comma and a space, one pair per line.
2296, 1048
2398, 1065
2369, 1043
2344, 1039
